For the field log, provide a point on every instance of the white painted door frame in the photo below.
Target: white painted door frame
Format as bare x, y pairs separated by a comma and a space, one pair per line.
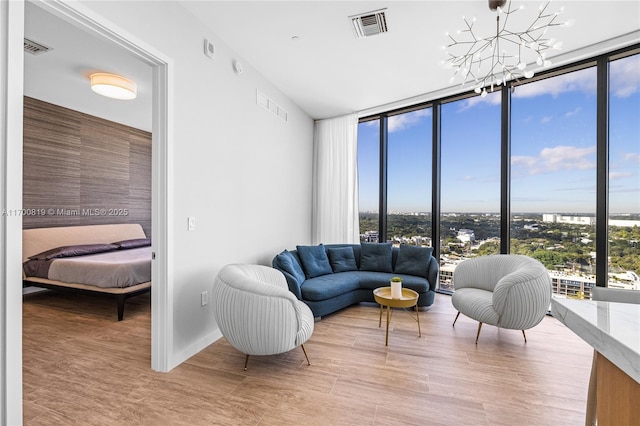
11, 153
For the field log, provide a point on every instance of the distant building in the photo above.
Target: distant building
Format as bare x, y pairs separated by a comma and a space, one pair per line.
466, 235
585, 220
445, 277
562, 283
370, 236
575, 220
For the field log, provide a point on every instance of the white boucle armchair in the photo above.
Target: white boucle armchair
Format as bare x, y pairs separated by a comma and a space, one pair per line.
257, 313
508, 291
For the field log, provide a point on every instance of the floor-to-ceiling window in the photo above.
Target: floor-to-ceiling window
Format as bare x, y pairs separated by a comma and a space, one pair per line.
470, 181
369, 179
518, 171
553, 177
409, 178
624, 173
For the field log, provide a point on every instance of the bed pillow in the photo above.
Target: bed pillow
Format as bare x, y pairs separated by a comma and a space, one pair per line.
413, 260
376, 257
314, 260
342, 259
133, 243
288, 263
76, 250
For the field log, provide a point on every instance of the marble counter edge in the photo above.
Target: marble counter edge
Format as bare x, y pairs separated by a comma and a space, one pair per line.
625, 358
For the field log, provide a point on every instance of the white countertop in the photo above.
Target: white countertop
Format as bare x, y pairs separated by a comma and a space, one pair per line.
613, 329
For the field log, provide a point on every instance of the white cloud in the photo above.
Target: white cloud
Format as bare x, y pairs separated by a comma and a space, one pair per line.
583, 80
546, 119
624, 76
554, 159
404, 121
632, 156
491, 99
619, 175
572, 113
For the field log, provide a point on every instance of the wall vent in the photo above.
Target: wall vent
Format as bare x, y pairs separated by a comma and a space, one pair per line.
272, 107
35, 48
369, 23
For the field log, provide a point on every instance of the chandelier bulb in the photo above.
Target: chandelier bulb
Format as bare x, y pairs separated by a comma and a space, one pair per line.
484, 93
493, 61
569, 23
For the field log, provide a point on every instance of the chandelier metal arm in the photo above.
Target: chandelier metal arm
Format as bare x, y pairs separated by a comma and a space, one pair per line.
485, 60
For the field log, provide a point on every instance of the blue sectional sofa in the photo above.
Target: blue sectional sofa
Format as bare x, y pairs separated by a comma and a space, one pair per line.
331, 277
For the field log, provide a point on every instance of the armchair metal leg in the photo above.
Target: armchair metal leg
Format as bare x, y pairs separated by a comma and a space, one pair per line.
305, 354
454, 321
246, 361
525, 336
478, 335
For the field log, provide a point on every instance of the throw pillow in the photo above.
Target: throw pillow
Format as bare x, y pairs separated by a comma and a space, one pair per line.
342, 259
413, 260
288, 263
376, 257
134, 243
314, 260
71, 251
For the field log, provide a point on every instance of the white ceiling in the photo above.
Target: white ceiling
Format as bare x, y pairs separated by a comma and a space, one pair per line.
61, 76
326, 71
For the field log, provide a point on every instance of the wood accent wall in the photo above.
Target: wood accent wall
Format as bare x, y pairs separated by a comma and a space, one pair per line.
83, 170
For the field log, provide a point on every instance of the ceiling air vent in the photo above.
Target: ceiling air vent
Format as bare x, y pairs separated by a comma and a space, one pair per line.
35, 48
369, 23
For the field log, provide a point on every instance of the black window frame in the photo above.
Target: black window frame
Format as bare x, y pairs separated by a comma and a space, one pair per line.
601, 62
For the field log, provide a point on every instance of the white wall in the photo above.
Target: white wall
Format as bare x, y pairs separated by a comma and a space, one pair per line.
11, 71
244, 174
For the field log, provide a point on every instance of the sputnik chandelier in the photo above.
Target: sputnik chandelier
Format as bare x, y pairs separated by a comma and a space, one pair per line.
491, 61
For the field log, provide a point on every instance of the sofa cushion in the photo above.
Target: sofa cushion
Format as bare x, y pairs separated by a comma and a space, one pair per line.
376, 257
413, 260
328, 286
314, 260
288, 263
342, 259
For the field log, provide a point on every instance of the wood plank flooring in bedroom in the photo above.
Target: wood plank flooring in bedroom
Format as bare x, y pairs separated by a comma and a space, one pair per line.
82, 367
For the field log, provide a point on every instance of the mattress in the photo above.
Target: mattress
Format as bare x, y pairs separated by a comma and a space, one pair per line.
113, 269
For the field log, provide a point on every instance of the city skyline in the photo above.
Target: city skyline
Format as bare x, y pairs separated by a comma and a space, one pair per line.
553, 149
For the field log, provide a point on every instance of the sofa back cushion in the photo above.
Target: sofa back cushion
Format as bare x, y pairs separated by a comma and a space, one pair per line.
287, 262
315, 261
413, 260
376, 257
342, 259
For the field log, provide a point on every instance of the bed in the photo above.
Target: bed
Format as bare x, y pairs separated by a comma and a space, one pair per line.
112, 260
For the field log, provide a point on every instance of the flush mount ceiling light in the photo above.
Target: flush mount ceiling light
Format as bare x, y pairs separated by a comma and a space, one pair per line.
494, 60
113, 86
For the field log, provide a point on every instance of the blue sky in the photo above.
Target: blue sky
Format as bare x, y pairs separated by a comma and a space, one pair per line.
553, 149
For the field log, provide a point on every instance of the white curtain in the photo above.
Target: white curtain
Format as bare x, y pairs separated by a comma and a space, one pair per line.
335, 181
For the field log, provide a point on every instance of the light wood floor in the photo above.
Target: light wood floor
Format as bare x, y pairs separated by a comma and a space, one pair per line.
82, 367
